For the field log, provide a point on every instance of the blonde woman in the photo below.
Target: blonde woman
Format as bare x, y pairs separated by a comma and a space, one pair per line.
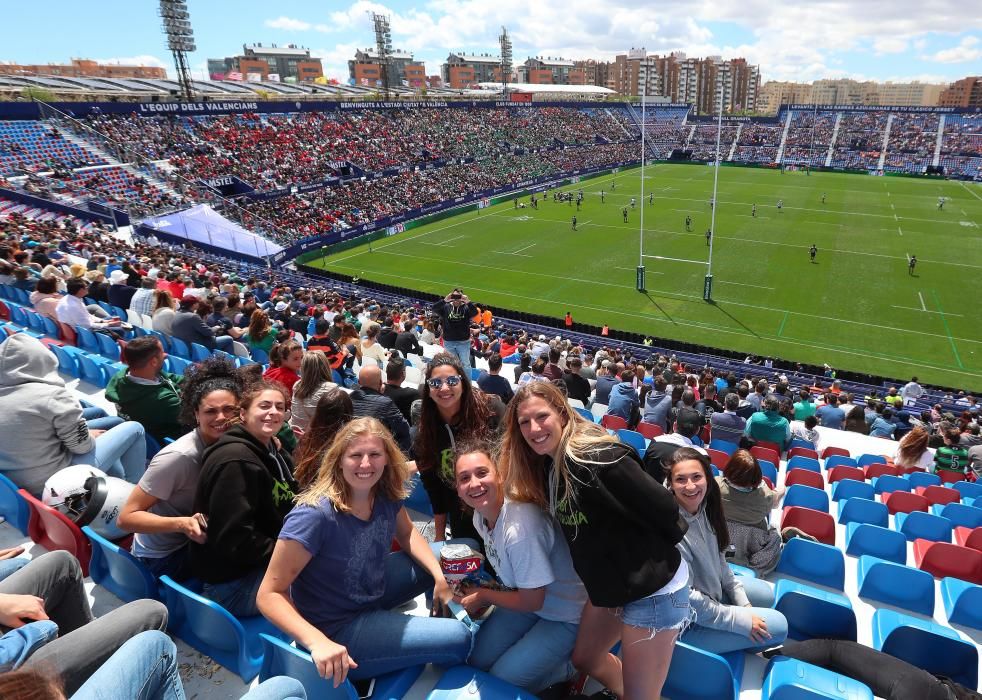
316, 380
332, 580
621, 527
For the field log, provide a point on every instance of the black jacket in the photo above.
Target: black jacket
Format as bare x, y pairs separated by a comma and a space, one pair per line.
245, 492
387, 338
368, 402
456, 319
407, 343
577, 387
403, 396
621, 526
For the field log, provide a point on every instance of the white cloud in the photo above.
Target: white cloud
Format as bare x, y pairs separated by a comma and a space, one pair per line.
288, 24
793, 40
967, 50
335, 61
141, 60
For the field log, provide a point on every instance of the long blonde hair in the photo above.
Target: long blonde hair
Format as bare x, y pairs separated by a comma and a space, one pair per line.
524, 476
330, 482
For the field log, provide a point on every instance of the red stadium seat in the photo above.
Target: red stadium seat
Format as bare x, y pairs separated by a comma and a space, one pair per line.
52, 530
650, 430
803, 451
842, 473
950, 477
612, 422
819, 525
939, 495
829, 451
969, 537
761, 452
804, 476
874, 470
904, 502
718, 459
942, 559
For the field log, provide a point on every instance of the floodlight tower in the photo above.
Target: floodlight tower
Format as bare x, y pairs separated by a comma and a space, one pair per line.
383, 45
504, 41
180, 40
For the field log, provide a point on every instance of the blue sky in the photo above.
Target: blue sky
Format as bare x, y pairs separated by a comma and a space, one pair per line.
880, 40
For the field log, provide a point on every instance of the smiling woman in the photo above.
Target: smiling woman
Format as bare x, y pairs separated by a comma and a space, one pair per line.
245, 489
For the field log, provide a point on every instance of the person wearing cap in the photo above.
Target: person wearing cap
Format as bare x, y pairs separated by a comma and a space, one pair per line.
190, 327
120, 293
539, 347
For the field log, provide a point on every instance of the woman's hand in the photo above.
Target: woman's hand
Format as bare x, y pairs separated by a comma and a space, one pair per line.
15, 609
473, 600
195, 527
758, 630
442, 595
332, 661
11, 552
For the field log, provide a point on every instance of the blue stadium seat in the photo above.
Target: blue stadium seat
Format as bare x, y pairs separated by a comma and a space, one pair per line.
798, 442
880, 542
768, 469
87, 340
634, 439
466, 683
925, 644
12, 506
177, 365
889, 483
918, 479
108, 347
814, 562
849, 488
960, 514
896, 584
920, 525
587, 414
180, 348
262, 357
791, 679
93, 370
199, 352
742, 571
868, 459
50, 327
859, 510
118, 571
840, 461
211, 629
968, 489
282, 659
719, 676
723, 446
814, 613
807, 497
67, 362
801, 462
962, 602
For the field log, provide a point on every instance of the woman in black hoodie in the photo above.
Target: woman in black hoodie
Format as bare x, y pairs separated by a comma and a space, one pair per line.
245, 490
621, 527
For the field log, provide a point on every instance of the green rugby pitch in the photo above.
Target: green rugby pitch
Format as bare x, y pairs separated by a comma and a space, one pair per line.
855, 308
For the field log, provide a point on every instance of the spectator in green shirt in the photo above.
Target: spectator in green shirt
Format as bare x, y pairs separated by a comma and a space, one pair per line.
951, 457
804, 407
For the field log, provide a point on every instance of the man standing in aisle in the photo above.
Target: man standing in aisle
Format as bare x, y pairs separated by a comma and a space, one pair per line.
455, 312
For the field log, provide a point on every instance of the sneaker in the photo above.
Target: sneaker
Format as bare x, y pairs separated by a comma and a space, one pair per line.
789, 532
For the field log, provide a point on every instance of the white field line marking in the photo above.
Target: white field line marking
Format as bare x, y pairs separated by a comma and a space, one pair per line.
586, 222
751, 216
631, 269
744, 284
521, 255
900, 231
517, 252
914, 308
921, 297
435, 245
662, 257
455, 238
967, 189
731, 331
403, 240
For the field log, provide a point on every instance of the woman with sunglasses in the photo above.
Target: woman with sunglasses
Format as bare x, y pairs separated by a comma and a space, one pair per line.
245, 490
452, 410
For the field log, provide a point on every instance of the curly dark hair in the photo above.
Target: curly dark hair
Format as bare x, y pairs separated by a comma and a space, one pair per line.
214, 374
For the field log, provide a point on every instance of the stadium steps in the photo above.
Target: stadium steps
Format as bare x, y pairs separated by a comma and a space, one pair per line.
936, 160
736, 140
784, 137
886, 142
835, 136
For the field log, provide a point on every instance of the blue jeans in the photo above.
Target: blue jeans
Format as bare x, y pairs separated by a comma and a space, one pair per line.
177, 564
224, 343
524, 649
120, 451
238, 596
97, 418
761, 597
10, 566
460, 348
381, 641
144, 668
277, 688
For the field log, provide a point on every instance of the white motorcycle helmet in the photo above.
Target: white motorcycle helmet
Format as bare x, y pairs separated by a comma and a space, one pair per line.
87, 496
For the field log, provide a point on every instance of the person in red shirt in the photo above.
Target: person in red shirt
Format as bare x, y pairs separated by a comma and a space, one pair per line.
569, 321
284, 364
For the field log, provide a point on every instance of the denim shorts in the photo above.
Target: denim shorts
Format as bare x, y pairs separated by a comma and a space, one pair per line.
659, 612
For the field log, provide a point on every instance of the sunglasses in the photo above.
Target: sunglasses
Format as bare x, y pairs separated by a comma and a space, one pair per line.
436, 382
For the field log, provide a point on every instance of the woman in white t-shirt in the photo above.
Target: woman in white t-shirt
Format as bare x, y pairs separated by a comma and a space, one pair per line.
529, 638
912, 451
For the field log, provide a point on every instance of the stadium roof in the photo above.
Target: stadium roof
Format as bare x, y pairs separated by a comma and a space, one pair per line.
471, 58
555, 89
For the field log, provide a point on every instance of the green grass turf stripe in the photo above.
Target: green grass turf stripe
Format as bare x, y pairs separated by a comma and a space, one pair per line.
951, 340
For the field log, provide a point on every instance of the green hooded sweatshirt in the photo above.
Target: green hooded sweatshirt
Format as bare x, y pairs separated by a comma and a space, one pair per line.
156, 406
